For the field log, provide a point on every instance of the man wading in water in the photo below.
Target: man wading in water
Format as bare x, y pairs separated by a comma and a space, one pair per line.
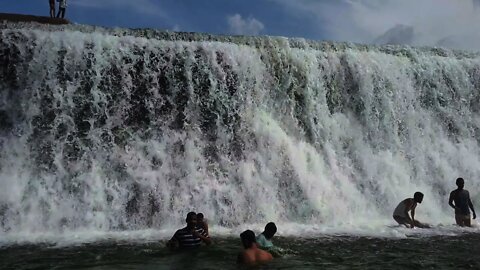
461, 197
189, 237
401, 212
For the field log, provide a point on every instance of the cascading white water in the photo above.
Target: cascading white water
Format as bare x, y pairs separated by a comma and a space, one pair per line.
110, 131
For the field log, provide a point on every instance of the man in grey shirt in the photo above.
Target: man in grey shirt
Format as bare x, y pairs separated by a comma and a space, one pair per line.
462, 201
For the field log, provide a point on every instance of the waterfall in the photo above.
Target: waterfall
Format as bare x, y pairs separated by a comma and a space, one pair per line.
120, 130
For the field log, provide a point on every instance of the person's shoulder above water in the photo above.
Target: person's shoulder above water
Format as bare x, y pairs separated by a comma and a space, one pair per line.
252, 254
263, 242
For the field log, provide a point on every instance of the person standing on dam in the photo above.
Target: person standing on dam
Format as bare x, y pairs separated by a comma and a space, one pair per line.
52, 8
62, 8
462, 201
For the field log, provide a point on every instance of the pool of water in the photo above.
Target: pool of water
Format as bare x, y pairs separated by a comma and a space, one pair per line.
323, 252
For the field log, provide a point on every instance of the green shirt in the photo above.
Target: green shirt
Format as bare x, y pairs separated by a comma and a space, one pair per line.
264, 242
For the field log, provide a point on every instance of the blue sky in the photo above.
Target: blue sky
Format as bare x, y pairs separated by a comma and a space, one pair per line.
432, 22
250, 17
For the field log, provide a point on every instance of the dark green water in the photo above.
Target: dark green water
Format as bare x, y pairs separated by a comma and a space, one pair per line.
438, 252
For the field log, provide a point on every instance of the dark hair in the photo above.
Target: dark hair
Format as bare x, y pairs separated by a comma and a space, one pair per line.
248, 238
200, 215
460, 181
270, 230
418, 195
190, 215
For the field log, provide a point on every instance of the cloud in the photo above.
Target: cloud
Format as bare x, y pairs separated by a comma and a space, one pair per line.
239, 26
434, 22
147, 7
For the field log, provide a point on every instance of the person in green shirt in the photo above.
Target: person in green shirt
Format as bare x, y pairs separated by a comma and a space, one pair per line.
264, 240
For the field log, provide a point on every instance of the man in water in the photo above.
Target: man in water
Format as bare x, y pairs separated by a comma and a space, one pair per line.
252, 254
461, 197
52, 8
202, 223
400, 214
190, 236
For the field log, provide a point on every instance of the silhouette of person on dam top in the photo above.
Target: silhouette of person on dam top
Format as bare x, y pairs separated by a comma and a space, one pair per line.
61, 9
52, 8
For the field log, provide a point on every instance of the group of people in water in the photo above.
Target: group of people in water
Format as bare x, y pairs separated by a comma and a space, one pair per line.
459, 200
62, 6
258, 249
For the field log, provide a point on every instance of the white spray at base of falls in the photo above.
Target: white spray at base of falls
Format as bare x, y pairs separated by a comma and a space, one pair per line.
114, 133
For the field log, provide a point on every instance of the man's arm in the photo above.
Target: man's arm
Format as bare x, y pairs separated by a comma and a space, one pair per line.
413, 215
206, 240
450, 200
206, 228
470, 204
408, 206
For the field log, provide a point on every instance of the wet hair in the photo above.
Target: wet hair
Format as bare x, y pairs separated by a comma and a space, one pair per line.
248, 238
460, 181
190, 215
417, 196
200, 215
270, 230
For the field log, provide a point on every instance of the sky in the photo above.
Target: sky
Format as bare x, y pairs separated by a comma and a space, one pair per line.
448, 23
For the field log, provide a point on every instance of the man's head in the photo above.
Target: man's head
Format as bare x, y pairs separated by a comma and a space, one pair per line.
191, 219
199, 217
248, 238
270, 230
460, 183
418, 197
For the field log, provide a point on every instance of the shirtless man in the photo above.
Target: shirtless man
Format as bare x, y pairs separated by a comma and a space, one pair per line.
461, 197
252, 254
408, 205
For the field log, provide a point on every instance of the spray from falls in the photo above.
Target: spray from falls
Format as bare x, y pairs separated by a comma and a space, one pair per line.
109, 131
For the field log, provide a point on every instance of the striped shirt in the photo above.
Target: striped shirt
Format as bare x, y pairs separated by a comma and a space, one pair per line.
186, 239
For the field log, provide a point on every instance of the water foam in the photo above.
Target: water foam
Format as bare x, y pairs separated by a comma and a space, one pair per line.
107, 134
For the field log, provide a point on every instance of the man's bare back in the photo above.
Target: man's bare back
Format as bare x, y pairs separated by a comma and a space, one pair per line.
251, 253
254, 255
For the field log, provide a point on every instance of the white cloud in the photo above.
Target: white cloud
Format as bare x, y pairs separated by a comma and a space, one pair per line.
446, 22
240, 26
147, 7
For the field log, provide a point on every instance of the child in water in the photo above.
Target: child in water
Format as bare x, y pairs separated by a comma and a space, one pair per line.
202, 223
264, 240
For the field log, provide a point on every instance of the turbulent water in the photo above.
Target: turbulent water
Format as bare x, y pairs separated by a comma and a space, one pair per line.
334, 253
113, 130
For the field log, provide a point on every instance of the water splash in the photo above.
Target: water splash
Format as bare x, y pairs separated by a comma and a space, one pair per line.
118, 130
